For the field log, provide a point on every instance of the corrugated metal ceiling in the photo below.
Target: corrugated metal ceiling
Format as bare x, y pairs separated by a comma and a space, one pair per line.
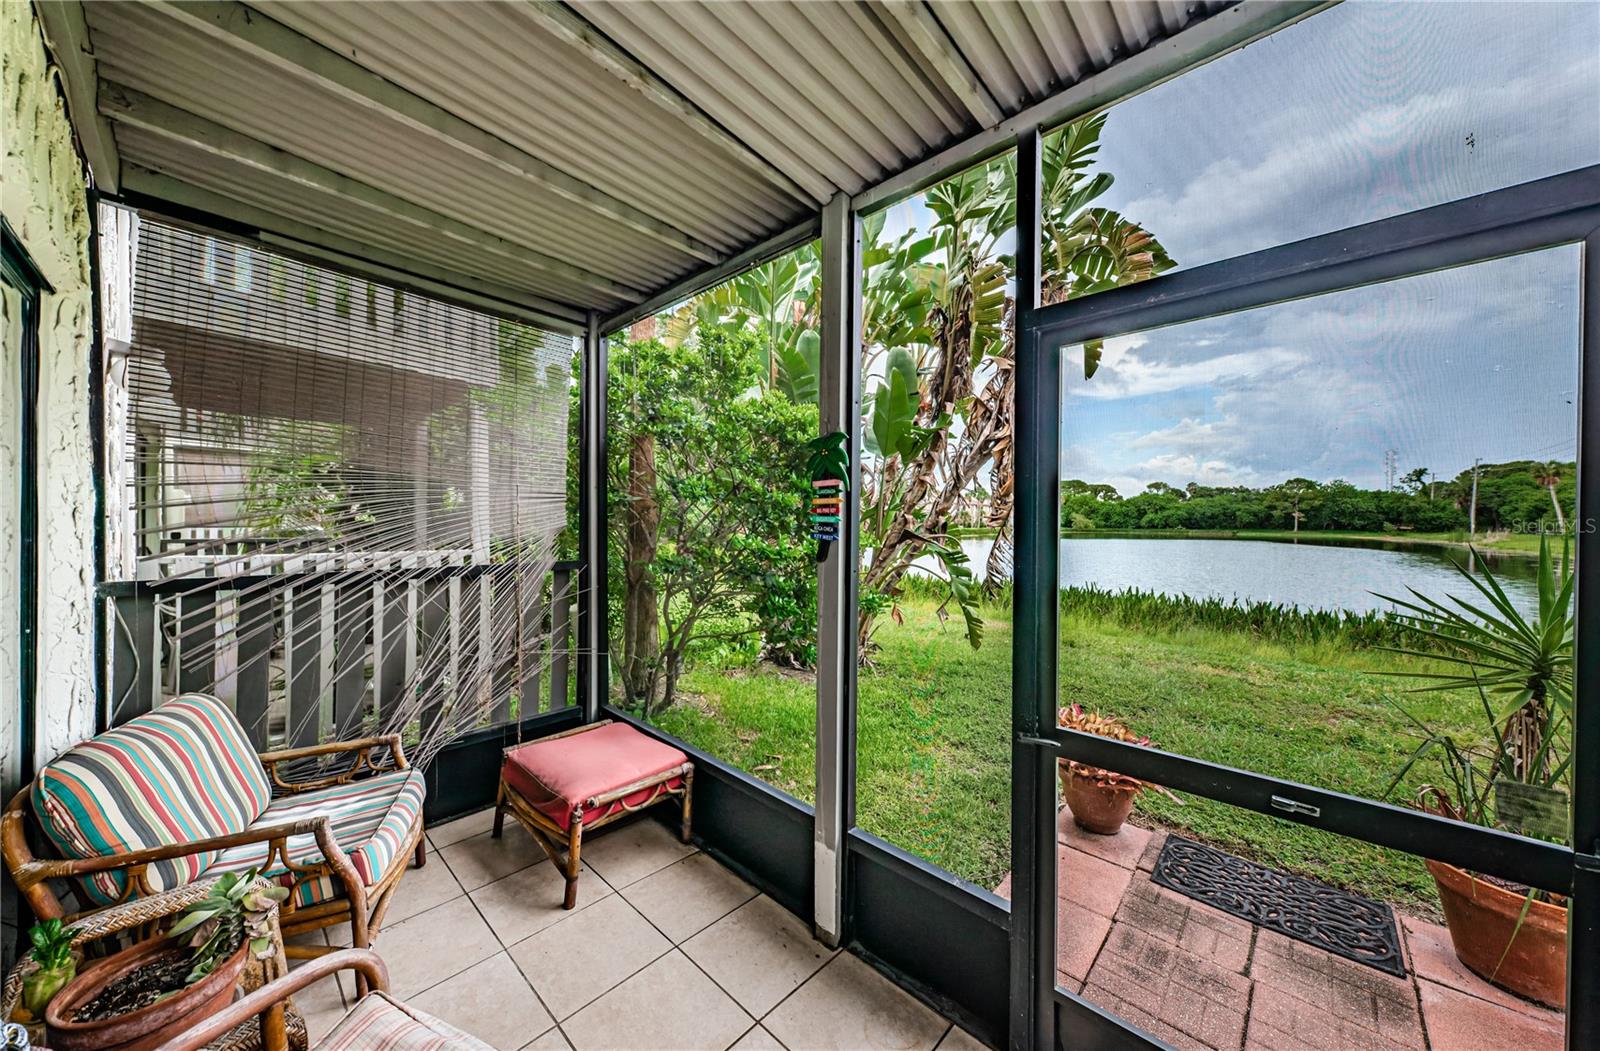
582, 155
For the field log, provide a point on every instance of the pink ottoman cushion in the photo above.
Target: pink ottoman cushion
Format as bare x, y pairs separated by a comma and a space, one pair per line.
559, 776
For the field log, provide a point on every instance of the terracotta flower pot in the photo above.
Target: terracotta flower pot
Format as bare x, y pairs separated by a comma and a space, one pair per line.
1096, 807
1482, 918
149, 1027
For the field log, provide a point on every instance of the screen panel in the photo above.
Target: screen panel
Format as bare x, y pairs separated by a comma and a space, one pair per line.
339, 504
1361, 112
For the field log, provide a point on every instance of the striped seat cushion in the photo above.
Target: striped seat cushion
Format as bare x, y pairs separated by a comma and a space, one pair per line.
181, 773
373, 820
380, 1023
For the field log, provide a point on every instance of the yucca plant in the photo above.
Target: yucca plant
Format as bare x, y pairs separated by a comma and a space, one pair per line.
1521, 669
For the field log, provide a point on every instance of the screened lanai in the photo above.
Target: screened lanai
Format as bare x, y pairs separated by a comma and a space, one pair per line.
401, 238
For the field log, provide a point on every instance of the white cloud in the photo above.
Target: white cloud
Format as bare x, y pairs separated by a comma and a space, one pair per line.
1125, 373
1309, 141
1360, 112
1182, 468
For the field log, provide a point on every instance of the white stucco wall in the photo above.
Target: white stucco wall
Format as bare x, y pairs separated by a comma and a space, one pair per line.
43, 197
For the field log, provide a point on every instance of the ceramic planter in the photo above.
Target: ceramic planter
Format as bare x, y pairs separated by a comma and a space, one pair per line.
149, 1027
1482, 918
1097, 808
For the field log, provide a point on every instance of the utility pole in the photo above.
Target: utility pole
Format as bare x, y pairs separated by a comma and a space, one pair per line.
1433, 482
1472, 510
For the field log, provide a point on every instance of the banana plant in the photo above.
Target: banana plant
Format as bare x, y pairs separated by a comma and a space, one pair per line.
932, 439
797, 371
778, 301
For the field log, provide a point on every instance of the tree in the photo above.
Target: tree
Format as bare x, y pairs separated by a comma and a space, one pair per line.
728, 490
1514, 494
1413, 480
938, 332
641, 612
1548, 474
1294, 498
778, 302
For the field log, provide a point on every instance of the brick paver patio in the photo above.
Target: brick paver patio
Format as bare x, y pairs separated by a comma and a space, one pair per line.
1200, 978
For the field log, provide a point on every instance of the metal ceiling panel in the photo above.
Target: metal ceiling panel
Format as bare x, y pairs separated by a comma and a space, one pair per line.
546, 96
177, 65
586, 155
336, 215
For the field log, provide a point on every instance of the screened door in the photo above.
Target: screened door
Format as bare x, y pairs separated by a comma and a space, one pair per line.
1303, 753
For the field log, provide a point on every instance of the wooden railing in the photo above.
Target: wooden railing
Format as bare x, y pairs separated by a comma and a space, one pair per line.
311, 656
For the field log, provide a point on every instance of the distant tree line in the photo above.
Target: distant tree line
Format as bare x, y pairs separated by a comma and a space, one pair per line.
1523, 495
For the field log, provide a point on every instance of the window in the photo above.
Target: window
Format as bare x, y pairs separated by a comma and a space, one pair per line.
1247, 500
227, 265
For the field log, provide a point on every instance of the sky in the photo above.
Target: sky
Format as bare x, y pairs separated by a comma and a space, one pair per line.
1364, 111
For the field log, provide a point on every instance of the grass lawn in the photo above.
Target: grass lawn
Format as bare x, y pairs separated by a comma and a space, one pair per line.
934, 762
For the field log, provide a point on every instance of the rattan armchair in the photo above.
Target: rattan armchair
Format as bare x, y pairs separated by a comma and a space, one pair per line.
377, 1022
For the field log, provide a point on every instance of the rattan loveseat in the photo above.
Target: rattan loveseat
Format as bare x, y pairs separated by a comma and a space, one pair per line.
179, 793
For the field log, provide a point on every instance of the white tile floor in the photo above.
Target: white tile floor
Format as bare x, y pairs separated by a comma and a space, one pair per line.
666, 951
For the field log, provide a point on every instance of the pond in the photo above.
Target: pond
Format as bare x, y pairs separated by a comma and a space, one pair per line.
1311, 574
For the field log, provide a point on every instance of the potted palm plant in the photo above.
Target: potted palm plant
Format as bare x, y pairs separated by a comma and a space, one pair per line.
1100, 799
144, 995
1516, 776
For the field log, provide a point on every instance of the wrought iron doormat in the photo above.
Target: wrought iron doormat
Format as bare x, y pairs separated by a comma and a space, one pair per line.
1335, 921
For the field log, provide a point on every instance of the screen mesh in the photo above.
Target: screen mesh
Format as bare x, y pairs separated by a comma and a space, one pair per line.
323, 473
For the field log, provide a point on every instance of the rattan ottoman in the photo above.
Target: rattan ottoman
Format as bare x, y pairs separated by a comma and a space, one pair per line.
568, 784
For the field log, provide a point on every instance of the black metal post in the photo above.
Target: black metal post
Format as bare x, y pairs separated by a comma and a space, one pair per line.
1037, 434
1560, 209
593, 662
1583, 907
97, 462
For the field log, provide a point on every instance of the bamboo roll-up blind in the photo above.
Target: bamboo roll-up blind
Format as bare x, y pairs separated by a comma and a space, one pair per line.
307, 451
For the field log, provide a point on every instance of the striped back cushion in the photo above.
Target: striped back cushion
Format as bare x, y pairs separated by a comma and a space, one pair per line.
181, 773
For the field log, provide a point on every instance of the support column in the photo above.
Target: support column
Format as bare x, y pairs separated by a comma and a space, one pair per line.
593, 652
1583, 907
839, 388
1037, 434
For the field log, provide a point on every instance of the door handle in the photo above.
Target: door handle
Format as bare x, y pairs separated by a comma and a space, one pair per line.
1294, 806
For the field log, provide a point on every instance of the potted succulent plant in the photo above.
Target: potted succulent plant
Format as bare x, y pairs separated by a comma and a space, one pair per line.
1100, 799
144, 995
1515, 777
54, 966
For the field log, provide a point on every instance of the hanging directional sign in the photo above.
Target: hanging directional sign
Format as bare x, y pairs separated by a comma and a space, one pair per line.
829, 470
